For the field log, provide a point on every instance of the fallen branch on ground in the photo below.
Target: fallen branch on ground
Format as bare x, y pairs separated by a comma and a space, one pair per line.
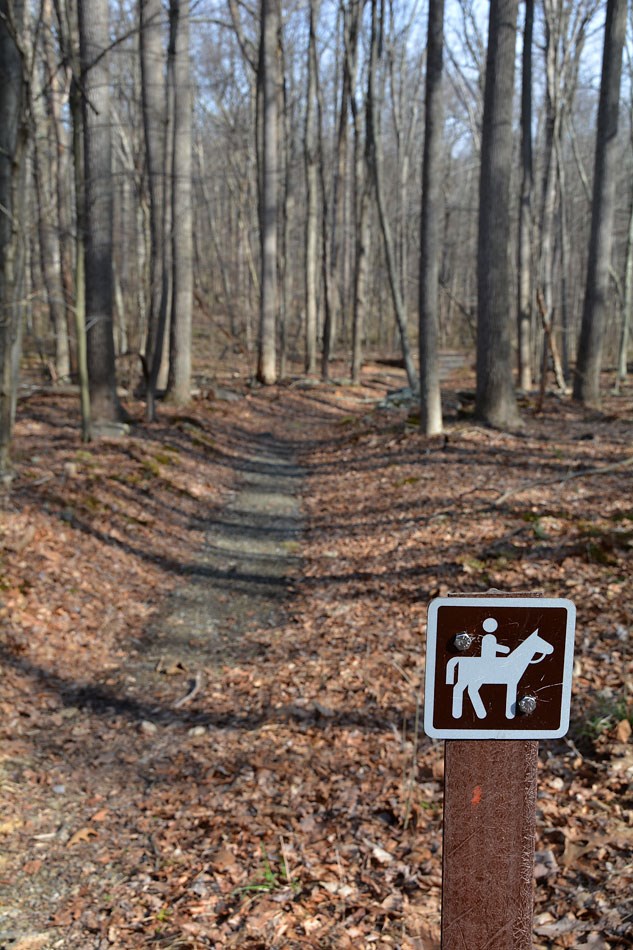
195, 689
582, 473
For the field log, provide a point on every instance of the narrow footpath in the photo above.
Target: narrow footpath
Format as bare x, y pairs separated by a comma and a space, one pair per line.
249, 557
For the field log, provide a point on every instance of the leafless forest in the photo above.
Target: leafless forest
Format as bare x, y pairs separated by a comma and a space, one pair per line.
227, 178
338, 296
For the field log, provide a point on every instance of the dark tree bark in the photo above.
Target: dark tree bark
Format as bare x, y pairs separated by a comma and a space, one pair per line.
12, 192
267, 362
94, 42
431, 226
524, 266
589, 361
154, 122
312, 199
496, 400
179, 385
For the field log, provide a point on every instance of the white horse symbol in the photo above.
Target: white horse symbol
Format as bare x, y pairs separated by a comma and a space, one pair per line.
472, 672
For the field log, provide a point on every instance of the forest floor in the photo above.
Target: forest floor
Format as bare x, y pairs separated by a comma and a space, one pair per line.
212, 638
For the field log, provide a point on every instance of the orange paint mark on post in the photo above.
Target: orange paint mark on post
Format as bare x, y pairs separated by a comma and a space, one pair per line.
476, 799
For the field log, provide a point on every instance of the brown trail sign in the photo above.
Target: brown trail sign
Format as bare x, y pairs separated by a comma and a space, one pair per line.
498, 678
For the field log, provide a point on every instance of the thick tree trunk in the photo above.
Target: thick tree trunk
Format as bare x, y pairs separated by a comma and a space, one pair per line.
587, 376
179, 385
524, 263
56, 91
431, 227
267, 362
94, 41
154, 122
496, 400
50, 264
49, 192
12, 194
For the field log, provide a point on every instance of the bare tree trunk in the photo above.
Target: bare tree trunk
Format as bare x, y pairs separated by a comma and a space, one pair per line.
50, 264
285, 149
153, 97
496, 400
627, 308
360, 276
564, 268
94, 40
80, 255
312, 198
360, 194
158, 119
339, 191
524, 264
12, 197
587, 377
56, 93
49, 191
375, 140
430, 228
328, 317
179, 385
266, 362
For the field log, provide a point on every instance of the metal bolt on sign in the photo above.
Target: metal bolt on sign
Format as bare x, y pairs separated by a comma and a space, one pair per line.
527, 705
463, 640
498, 679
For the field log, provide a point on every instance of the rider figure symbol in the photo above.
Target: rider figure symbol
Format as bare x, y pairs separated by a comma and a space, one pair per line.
497, 664
489, 646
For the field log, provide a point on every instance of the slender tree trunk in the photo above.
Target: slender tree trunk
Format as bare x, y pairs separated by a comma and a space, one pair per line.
339, 191
360, 278
375, 140
12, 203
564, 267
587, 377
267, 361
627, 308
360, 194
496, 400
80, 257
430, 228
94, 40
285, 149
524, 263
328, 310
48, 244
312, 198
179, 385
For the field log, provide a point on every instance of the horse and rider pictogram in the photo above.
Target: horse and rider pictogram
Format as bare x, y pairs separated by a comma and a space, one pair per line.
498, 667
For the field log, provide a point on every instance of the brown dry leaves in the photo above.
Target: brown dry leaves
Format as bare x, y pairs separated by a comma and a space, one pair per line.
293, 802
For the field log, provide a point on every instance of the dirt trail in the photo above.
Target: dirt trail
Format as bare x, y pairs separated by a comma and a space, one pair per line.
248, 559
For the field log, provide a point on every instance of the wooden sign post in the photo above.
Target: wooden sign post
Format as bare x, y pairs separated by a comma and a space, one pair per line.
498, 679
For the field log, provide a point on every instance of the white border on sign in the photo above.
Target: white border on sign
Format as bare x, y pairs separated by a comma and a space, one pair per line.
431, 651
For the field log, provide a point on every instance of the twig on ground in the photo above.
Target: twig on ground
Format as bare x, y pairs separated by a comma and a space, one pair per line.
581, 473
195, 689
